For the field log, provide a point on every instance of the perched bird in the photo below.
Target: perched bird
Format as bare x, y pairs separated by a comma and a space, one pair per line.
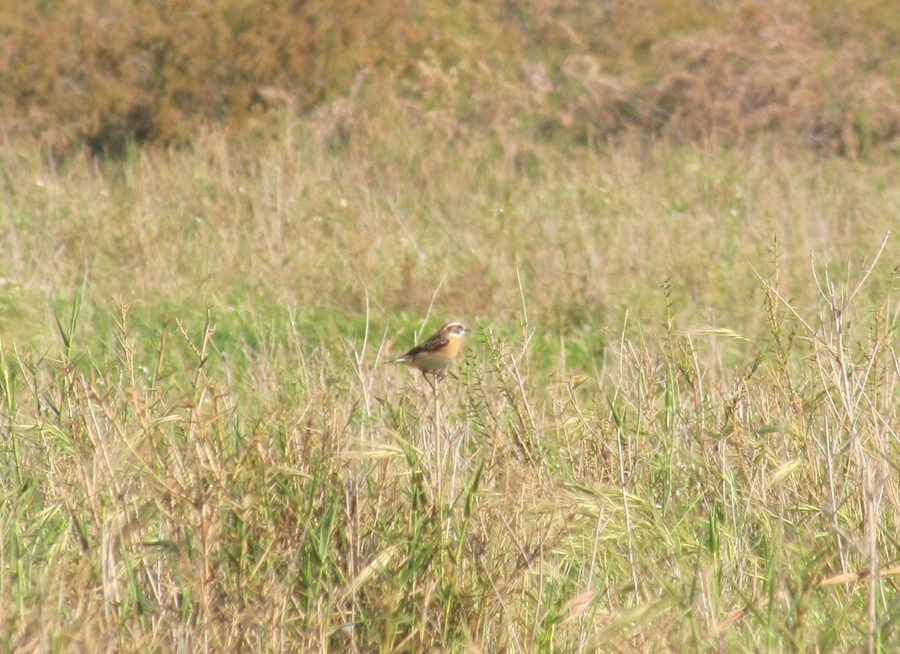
433, 355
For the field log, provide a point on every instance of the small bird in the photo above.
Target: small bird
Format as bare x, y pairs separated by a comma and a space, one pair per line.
433, 355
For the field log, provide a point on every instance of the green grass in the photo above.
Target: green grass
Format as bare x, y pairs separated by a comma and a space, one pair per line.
676, 419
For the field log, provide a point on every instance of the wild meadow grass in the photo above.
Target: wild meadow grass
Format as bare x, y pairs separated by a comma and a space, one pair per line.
674, 427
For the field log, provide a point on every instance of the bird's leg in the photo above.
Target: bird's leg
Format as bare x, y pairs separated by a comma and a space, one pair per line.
430, 383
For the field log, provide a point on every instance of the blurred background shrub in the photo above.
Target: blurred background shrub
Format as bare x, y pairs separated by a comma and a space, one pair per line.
100, 75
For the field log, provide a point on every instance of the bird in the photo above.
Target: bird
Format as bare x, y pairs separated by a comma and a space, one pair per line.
432, 356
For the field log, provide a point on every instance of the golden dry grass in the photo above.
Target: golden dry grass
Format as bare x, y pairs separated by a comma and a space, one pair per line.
675, 428
673, 431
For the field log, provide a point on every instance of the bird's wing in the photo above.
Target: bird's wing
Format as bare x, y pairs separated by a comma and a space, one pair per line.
433, 344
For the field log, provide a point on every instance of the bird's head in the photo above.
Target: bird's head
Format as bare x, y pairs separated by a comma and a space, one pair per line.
454, 329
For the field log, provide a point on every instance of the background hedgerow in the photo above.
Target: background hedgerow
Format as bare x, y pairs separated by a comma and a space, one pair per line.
102, 75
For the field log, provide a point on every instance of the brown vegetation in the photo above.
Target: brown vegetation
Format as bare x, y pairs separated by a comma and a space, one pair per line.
545, 69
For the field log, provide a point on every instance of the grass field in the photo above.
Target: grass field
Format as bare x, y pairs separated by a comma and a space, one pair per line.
675, 427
